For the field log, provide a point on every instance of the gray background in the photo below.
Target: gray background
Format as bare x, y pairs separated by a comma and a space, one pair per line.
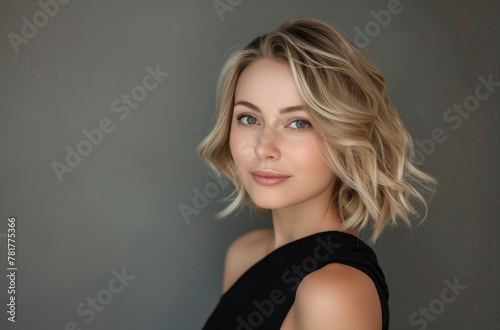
120, 206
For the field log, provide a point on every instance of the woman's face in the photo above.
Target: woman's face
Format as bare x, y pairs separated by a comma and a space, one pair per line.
270, 139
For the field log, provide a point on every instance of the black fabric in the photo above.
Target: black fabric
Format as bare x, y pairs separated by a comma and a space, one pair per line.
263, 295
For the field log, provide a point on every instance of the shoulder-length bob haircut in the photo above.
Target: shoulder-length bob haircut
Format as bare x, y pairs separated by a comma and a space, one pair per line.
360, 133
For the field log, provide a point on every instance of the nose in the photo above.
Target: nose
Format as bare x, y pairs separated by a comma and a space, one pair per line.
266, 144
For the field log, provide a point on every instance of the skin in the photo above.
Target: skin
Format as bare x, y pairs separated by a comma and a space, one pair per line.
300, 204
286, 143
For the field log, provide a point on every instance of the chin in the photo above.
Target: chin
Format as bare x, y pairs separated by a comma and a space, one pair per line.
266, 201
267, 197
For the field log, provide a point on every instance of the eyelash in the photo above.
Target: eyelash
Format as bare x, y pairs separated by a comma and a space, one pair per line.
238, 119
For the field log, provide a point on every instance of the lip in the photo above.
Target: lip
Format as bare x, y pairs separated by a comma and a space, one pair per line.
269, 174
268, 177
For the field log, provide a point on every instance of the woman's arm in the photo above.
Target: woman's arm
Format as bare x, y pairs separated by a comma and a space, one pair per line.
337, 296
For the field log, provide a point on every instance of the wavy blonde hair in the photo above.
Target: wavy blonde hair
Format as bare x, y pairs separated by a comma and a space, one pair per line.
361, 136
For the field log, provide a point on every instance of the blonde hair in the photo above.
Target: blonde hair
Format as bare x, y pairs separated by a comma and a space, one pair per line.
361, 136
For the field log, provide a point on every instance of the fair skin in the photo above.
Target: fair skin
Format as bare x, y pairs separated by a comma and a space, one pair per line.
262, 137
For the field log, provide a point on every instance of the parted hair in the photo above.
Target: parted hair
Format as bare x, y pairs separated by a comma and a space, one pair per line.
359, 131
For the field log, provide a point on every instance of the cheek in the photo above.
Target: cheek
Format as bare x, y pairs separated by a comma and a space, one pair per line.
241, 145
307, 158
232, 144
238, 145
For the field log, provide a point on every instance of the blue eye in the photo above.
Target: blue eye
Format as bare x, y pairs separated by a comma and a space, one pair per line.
304, 123
301, 123
250, 120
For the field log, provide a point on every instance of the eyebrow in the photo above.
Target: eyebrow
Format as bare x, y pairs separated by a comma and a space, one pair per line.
282, 111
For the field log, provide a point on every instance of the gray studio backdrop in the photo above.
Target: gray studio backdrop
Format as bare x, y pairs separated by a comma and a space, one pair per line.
104, 102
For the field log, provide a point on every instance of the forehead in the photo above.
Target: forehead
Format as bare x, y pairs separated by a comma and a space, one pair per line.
267, 83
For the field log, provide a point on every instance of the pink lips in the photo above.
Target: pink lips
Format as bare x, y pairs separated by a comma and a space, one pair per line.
268, 178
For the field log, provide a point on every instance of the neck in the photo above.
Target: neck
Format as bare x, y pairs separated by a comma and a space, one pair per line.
297, 221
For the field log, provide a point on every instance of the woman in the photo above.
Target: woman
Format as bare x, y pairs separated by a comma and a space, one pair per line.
307, 133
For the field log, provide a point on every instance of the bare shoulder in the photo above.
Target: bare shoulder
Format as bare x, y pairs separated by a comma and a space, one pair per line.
243, 253
337, 296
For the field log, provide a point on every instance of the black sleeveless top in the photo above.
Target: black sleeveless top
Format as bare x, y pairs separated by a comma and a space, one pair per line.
263, 295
